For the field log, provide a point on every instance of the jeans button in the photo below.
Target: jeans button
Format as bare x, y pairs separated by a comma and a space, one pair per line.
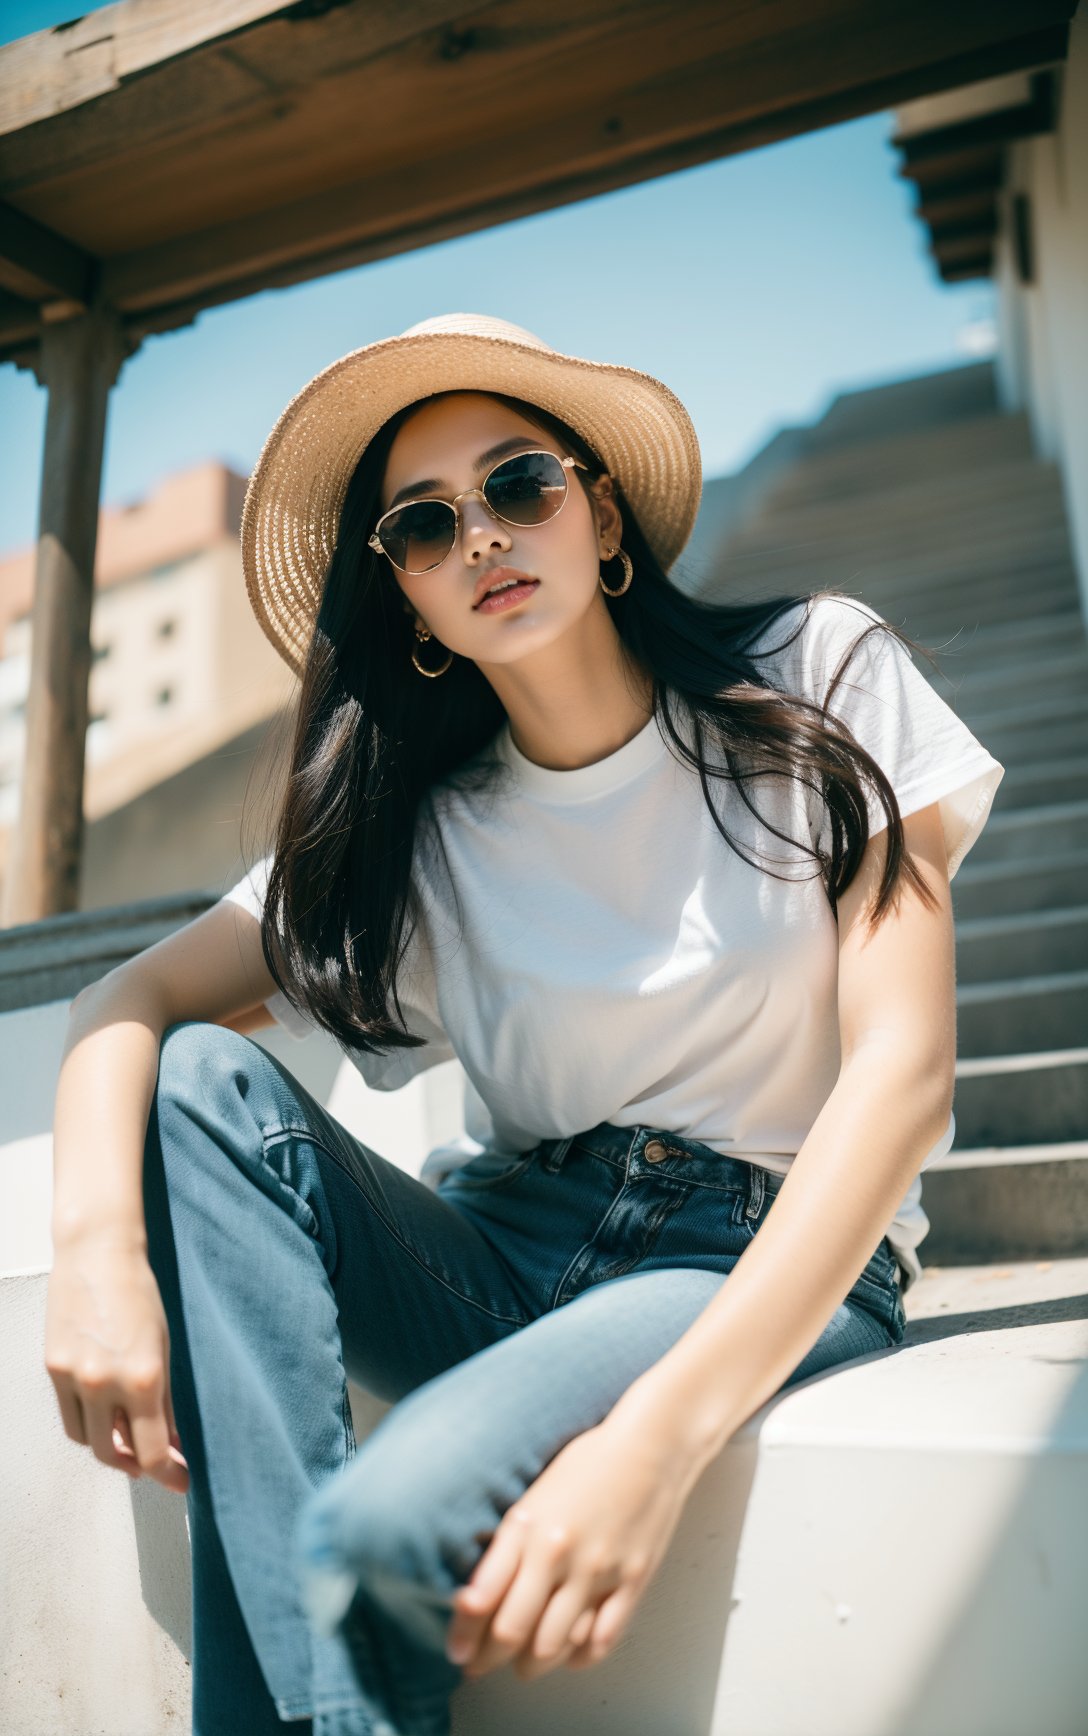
655, 1150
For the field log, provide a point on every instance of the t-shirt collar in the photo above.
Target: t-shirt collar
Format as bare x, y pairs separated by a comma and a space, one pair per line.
582, 782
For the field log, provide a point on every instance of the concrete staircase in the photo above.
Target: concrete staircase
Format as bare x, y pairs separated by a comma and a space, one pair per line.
926, 500
898, 1547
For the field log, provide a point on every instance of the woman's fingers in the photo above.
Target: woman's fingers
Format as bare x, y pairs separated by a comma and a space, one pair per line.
108, 1356
476, 1601
99, 1407
121, 1436
567, 1617
71, 1412
157, 1457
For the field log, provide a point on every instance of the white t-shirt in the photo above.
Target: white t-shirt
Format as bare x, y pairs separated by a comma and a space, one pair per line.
619, 962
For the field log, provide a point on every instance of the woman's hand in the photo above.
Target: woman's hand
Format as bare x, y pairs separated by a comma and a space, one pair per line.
566, 1567
107, 1351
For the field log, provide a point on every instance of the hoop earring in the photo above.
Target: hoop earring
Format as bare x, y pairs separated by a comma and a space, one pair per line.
423, 634
628, 570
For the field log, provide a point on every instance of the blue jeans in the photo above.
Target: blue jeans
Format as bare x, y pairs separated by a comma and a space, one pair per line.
502, 1314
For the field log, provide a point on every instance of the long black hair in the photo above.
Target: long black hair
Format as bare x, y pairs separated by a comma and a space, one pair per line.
371, 738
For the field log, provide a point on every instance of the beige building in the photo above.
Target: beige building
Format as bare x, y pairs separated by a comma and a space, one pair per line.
180, 666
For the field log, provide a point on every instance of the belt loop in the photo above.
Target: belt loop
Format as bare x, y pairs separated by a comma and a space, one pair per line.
756, 1190
559, 1148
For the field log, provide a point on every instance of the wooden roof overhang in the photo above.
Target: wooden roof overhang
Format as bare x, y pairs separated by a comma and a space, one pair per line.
159, 157
170, 155
959, 170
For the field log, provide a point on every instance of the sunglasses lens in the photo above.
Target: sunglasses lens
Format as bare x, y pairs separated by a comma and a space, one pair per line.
528, 488
420, 535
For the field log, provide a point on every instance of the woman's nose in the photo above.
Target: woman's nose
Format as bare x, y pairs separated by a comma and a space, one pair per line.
479, 524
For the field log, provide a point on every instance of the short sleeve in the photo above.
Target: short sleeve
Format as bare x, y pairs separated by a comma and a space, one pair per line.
416, 989
925, 750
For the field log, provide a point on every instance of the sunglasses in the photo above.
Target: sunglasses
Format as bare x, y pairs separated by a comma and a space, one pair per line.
527, 489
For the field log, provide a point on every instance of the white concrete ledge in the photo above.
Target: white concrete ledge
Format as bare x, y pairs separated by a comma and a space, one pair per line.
898, 1547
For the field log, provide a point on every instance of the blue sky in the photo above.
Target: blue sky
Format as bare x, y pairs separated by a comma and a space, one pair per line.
757, 287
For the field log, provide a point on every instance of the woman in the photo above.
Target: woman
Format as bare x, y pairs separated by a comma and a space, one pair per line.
641, 863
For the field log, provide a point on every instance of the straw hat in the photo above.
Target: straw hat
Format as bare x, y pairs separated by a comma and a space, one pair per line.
640, 430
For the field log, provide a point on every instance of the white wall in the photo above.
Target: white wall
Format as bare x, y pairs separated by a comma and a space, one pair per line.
1043, 366
95, 1613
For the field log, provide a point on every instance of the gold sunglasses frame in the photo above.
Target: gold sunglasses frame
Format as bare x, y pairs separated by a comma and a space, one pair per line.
375, 541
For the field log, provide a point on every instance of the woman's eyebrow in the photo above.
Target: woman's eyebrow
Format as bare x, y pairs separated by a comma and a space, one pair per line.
484, 462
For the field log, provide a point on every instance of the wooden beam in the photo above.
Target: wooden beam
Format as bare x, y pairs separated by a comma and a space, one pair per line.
61, 68
946, 199
590, 100
956, 210
1000, 126
80, 360
964, 271
951, 249
660, 128
959, 164
975, 227
39, 265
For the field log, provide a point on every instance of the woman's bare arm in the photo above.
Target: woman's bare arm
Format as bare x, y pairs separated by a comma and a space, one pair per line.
211, 969
107, 1347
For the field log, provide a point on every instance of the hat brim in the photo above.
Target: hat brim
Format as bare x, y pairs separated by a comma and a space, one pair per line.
637, 426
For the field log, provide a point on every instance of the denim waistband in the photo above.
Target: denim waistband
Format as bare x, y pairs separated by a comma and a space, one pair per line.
690, 1160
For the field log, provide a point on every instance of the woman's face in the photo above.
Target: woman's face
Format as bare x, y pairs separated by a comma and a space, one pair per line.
446, 440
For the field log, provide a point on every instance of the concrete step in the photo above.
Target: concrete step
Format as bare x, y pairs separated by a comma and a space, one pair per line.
957, 396
947, 618
981, 506
989, 540
974, 591
1032, 714
1034, 741
948, 610
993, 1203
1004, 643
896, 1545
1040, 782
1021, 1014
943, 622
1000, 888
1013, 834
897, 475
898, 574
1034, 670
1021, 1099
917, 495
915, 552
992, 948
898, 459
1026, 683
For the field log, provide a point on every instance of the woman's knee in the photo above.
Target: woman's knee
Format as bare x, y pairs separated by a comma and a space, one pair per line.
198, 1051
208, 1071
211, 1101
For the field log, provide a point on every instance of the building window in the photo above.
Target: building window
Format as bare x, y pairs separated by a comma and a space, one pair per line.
99, 717
98, 652
164, 570
166, 629
1023, 240
164, 696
